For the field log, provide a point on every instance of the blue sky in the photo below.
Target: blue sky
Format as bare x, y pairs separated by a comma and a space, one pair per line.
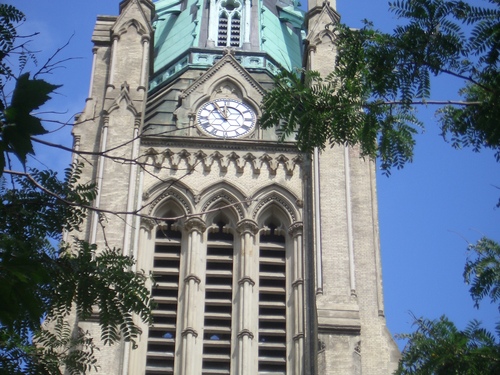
428, 211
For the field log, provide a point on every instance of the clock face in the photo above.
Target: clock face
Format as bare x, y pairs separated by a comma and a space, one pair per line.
226, 118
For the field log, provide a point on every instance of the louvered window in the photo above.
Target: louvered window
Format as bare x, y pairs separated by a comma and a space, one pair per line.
162, 334
224, 289
218, 302
272, 303
223, 30
229, 32
235, 31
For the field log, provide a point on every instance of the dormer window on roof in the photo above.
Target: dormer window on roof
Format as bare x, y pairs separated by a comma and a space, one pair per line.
229, 32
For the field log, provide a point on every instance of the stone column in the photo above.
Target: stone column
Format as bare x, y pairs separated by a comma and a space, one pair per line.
195, 228
144, 64
246, 319
111, 82
297, 274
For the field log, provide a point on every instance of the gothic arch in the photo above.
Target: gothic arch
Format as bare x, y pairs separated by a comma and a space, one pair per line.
239, 91
276, 196
222, 84
170, 207
123, 96
165, 194
324, 37
141, 30
223, 194
276, 214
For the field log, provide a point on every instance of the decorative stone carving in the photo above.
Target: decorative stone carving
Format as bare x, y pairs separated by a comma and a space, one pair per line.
170, 193
235, 158
296, 228
195, 278
246, 279
271, 163
195, 223
246, 332
298, 336
273, 198
190, 331
230, 60
357, 348
147, 224
321, 346
247, 225
227, 198
250, 159
125, 86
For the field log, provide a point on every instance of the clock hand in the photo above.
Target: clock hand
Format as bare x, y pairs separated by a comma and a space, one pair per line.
223, 114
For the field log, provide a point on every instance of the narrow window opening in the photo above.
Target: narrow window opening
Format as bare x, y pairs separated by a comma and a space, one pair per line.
218, 301
272, 301
165, 293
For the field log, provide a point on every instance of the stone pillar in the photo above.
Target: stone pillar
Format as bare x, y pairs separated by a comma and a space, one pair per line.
195, 228
246, 319
297, 274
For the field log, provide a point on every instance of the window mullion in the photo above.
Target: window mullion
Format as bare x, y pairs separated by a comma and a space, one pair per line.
189, 325
296, 231
247, 318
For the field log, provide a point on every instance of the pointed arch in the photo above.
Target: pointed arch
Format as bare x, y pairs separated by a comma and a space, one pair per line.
170, 195
141, 30
324, 37
221, 88
275, 197
224, 194
123, 96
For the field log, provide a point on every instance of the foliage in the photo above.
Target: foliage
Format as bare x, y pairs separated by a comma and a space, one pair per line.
61, 347
38, 281
482, 271
439, 347
9, 17
371, 95
17, 124
47, 287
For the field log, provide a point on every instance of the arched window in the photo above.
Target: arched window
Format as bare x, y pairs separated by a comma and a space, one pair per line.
228, 290
229, 32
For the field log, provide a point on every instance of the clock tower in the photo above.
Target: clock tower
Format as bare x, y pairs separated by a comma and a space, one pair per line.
266, 260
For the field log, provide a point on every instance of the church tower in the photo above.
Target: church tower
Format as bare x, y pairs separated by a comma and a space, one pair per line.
266, 260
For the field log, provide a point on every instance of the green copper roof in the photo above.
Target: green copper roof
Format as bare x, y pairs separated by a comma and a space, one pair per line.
177, 42
278, 37
176, 29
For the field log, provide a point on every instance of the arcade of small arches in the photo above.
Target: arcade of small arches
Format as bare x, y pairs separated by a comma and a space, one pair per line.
227, 281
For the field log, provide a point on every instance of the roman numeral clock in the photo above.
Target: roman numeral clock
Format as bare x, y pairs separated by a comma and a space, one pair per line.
226, 118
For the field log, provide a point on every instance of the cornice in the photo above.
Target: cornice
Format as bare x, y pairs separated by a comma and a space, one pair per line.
220, 144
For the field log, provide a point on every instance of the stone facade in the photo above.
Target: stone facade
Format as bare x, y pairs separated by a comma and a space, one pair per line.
300, 290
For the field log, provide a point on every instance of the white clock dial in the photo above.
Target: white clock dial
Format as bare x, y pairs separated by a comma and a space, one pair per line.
226, 118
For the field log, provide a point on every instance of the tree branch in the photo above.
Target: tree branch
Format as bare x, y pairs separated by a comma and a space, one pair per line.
134, 212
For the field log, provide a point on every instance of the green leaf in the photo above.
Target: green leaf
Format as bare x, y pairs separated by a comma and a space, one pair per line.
20, 125
30, 94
